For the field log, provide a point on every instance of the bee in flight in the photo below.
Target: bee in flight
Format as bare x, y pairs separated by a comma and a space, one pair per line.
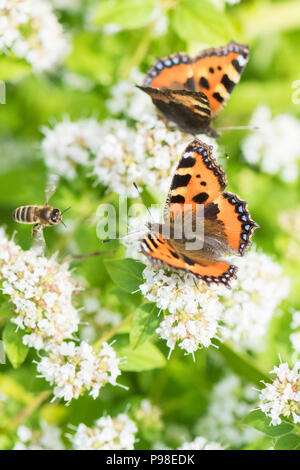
40, 216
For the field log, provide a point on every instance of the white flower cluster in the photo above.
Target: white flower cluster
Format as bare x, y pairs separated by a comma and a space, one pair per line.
31, 31
295, 337
282, 396
145, 154
107, 434
200, 443
48, 438
70, 144
41, 290
76, 369
275, 144
138, 148
195, 311
230, 402
128, 101
249, 307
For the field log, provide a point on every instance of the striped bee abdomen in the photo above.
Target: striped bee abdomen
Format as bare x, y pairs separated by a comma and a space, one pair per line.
25, 214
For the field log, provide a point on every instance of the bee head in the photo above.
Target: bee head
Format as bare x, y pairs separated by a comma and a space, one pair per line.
55, 216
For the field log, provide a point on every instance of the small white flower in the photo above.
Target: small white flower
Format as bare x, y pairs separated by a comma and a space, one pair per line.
47, 438
230, 402
200, 443
282, 396
275, 144
69, 144
107, 434
194, 311
30, 30
75, 369
250, 305
41, 291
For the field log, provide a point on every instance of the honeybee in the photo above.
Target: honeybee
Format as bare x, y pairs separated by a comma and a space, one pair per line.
41, 216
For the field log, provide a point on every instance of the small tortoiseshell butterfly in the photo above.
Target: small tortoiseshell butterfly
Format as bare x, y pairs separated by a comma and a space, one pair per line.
228, 226
192, 91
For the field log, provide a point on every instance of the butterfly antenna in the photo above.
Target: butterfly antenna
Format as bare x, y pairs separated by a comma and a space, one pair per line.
63, 224
94, 253
124, 236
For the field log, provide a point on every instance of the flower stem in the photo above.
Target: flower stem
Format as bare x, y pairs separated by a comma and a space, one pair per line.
30, 408
112, 332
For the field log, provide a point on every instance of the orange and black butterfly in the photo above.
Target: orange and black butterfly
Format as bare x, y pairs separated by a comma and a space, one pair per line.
192, 91
227, 223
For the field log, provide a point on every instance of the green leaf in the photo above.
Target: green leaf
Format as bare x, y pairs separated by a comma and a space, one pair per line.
258, 420
287, 442
14, 390
201, 22
144, 324
12, 68
144, 357
15, 350
126, 273
129, 14
241, 364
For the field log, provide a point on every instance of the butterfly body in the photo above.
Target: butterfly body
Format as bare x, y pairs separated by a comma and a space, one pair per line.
192, 91
220, 222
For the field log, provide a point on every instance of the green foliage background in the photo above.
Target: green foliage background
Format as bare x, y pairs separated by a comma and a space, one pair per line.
180, 387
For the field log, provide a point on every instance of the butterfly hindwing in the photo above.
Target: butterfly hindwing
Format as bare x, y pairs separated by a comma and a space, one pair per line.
235, 217
218, 70
160, 251
189, 110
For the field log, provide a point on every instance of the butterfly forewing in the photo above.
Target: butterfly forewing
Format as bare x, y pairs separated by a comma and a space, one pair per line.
217, 71
198, 178
174, 72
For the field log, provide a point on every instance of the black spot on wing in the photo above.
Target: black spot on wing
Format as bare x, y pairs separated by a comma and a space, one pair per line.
180, 180
174, 254
204, 83
237, 66
189, 84
200, 198
187, 260
218, 97
177, 199
228, 84
211, 211
188, 162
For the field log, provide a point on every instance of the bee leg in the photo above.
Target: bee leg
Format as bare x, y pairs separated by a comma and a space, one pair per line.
35, 230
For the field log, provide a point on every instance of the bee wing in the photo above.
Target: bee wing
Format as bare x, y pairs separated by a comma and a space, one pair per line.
51, 187
39, 243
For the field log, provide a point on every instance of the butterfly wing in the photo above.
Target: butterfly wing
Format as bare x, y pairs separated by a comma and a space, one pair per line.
198, 179
159, 250
236, 221
174, 72
218, 70
189, 110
